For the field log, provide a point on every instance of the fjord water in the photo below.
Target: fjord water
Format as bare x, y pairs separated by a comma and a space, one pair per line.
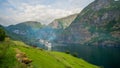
106, 57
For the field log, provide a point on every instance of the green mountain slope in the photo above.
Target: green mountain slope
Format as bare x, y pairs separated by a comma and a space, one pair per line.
41, 58
97, 24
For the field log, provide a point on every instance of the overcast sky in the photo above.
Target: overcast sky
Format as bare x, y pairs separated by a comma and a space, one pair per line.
44, 11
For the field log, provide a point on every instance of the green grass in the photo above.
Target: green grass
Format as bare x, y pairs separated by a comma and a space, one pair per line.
42, 58
8, 60
71, 61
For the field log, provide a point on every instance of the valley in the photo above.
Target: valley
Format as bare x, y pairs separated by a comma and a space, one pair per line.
88, 39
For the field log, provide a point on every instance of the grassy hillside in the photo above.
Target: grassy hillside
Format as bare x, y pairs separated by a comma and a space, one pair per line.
41, 58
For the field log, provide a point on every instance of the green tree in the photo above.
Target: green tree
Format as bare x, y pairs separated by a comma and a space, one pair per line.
2, 34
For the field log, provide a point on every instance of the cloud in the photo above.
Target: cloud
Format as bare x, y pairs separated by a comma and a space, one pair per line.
36, 10
4, 21
42, 13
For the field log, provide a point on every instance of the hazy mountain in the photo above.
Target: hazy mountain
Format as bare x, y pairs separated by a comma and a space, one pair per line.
64, 22
50, 31
25, 31
31, 31
97, 24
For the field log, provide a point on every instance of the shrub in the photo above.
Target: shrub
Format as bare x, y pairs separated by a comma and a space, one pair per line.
75, 54
2, 34
67, 52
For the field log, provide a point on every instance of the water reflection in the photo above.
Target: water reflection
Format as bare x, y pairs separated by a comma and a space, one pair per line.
109, 57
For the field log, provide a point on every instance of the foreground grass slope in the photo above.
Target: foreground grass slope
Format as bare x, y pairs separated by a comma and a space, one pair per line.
41, 58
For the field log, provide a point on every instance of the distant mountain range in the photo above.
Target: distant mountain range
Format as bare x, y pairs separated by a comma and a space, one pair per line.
25, 31
31, 32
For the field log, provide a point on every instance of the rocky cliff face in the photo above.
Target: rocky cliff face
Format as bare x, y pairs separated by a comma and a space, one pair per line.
97, 24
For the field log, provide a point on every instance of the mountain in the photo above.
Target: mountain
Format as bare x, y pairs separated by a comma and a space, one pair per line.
25, 27
64, 22
31, 32
97, 24
40, 58
47, 33
50, 31
25, 31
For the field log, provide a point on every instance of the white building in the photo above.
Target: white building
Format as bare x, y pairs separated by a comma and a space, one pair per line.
47, 44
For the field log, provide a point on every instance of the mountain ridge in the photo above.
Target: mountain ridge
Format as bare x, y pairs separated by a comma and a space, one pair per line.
63, 22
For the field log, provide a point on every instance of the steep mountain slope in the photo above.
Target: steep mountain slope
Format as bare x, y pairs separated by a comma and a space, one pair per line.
97, 24
62, 23
40, 58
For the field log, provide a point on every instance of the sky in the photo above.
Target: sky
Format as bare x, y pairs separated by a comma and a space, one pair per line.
44, 11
